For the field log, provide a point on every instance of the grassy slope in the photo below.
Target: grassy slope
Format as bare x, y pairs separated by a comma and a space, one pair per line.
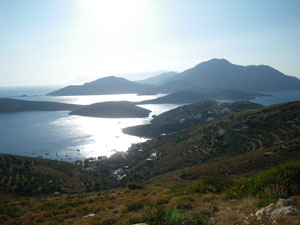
184, 202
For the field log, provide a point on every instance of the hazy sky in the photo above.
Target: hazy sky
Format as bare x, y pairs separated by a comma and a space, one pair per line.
55, 41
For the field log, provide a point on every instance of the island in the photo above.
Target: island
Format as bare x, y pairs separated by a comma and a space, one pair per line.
122, 109
9, 105
111, 109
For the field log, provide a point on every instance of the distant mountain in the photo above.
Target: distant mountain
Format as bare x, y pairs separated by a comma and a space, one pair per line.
221, 74
184, 97
141, 75
112, 110
159, 79
212, 75
106, 85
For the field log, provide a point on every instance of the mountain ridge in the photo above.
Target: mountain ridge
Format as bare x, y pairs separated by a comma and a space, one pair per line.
214, 74
222, 74
106, 85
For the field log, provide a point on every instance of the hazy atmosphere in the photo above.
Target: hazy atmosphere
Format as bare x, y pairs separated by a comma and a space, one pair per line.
150, 112
45, 42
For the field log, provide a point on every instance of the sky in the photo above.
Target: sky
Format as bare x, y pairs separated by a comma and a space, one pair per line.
52, 42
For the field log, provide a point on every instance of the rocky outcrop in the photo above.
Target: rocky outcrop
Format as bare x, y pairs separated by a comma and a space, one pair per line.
275, 213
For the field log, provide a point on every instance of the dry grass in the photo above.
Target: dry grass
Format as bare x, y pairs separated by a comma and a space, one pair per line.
248, 205
111, 207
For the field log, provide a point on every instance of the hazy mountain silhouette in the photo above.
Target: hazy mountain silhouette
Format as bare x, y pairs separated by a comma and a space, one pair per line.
212, 75
106, 85
159, 79
221, 74
183, 97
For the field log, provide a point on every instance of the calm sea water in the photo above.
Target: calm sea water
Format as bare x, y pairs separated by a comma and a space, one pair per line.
59, 136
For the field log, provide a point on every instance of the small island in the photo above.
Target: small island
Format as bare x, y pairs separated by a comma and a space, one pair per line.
121, 109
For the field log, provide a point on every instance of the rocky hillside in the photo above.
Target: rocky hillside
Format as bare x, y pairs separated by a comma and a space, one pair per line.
270, 130
186, 116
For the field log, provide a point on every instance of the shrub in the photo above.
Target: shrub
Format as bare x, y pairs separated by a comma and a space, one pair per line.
281, 181
134, 186
109, 220
204, 185
174, 217
208, 184
135, 206
183, 202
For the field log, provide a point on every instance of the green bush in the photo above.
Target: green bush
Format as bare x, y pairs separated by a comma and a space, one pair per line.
212, 185
281, 181
134, 186
161, 216
135, 206
204, 185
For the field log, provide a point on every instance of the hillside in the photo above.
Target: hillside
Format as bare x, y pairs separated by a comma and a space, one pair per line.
29, 176
8, 105
186, 116
106, 86
209, 200
270, 129
112, 110
220, 74
184, 97
220, 172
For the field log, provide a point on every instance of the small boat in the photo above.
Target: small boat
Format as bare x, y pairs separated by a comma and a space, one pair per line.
78, 150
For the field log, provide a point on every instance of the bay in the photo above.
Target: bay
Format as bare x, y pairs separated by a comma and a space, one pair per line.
59, 136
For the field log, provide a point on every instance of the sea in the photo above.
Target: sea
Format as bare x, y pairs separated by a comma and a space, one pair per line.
60, 136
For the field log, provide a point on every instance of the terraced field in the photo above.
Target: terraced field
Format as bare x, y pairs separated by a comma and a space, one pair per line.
31, 176
187, 116
270, 129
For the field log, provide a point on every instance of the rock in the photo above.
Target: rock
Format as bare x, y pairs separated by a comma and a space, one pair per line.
264, 211
284, 202
289, 210
271, 212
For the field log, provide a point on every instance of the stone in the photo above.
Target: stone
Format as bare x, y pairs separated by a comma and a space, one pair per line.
284, 202
289, 210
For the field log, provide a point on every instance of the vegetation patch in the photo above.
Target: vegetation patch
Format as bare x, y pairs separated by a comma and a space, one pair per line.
282, 181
